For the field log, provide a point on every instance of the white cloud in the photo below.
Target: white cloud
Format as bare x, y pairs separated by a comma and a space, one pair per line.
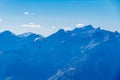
31, 25
53, 27
67, 28
80, 25
28, 13
1, 20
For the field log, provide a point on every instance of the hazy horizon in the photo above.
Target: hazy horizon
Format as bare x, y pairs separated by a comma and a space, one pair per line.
47, 16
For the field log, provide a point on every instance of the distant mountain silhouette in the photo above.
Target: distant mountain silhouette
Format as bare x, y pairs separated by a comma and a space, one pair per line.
85, 53
10, 41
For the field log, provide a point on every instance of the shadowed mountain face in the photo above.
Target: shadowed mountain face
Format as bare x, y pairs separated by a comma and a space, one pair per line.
85, 53
10, 41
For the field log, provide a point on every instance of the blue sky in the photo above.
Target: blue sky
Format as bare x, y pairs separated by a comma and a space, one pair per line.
47, 16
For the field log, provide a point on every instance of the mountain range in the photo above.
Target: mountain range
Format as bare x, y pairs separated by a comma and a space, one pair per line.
85, 53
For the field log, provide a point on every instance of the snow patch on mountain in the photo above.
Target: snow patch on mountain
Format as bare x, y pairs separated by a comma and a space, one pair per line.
25, 34
91, 45
9, 78
61, 73
73, 34
106, 38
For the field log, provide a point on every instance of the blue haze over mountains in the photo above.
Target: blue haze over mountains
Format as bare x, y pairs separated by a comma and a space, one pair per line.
85, 53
